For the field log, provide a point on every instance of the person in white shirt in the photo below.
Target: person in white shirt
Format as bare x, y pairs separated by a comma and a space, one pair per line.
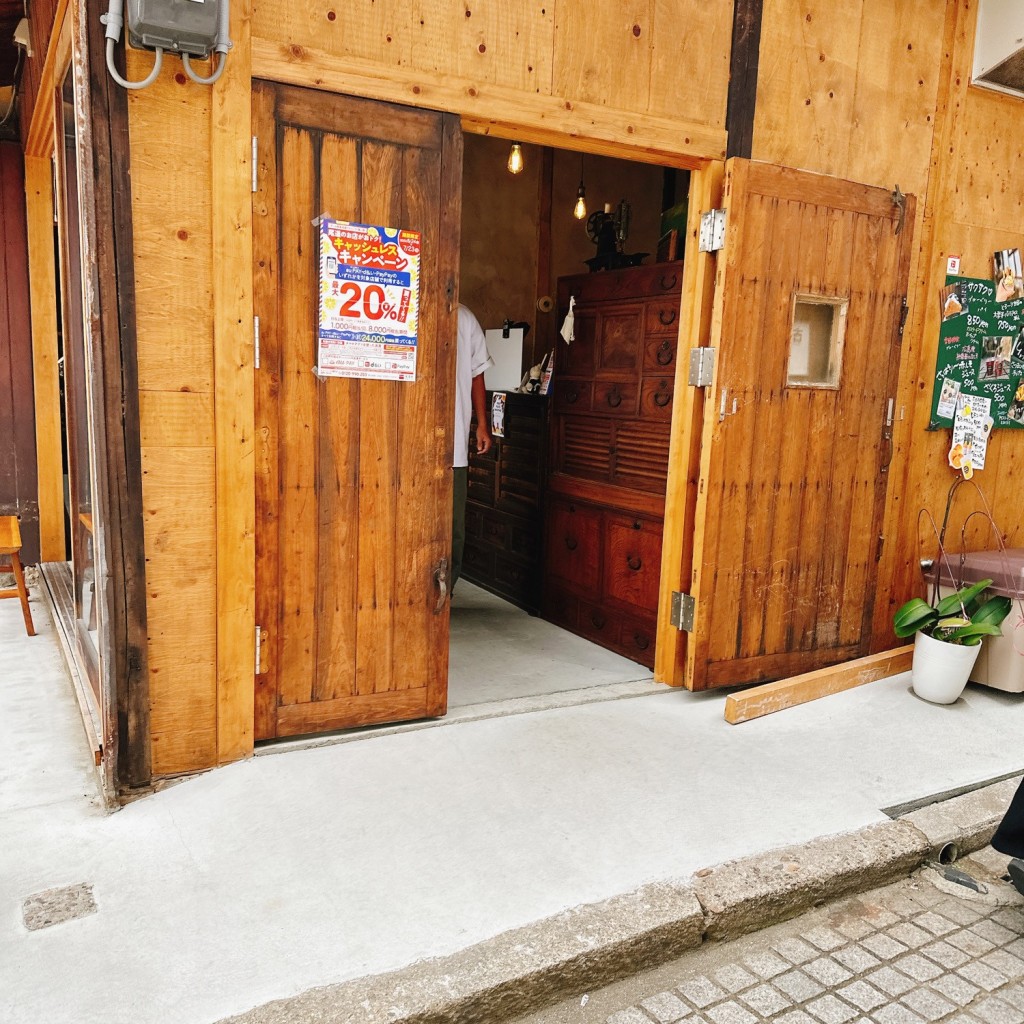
472, 358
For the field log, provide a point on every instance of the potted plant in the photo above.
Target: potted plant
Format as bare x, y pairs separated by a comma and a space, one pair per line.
948, 638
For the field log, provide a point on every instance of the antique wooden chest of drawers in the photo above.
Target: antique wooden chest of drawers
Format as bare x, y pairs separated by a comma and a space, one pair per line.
608, 456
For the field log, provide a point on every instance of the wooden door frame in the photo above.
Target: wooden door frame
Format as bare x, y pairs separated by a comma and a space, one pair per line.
686, 438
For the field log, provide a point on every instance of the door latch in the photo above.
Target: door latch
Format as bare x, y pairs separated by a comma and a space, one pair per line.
441, 579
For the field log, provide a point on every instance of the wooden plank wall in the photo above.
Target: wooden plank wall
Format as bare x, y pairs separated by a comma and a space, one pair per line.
18, 495
852, 90
533, 68
879, 93
976, 206
172, 218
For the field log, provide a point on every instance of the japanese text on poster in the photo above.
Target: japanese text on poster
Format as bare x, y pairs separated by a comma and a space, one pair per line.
369, 301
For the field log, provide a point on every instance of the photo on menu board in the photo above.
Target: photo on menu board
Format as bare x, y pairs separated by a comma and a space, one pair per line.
1007, 275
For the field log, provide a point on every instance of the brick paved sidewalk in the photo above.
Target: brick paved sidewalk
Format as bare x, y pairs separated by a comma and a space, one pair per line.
922, 951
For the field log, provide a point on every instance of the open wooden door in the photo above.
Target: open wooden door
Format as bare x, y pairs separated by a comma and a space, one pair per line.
809, 300
353, 478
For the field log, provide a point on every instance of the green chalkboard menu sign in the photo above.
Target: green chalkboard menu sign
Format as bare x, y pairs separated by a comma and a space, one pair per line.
981, 352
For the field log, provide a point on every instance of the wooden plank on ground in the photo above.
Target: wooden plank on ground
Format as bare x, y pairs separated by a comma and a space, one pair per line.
787, 693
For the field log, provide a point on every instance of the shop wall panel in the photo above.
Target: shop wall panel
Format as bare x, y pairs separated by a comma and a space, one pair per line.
170, 131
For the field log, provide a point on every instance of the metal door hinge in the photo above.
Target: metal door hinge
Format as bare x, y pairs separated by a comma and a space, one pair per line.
259, 644
683, 610
712, 230
702, 366
904, 309
255, 159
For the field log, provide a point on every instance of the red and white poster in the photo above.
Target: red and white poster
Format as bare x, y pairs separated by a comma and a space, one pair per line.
369, 301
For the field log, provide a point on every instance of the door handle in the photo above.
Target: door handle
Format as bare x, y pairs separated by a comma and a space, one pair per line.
668, 282
633, 562
671, 317
571, 542
614, 398
662, 398
664, 355
441, 579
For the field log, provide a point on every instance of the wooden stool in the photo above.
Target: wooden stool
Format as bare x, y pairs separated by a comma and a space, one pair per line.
10, 545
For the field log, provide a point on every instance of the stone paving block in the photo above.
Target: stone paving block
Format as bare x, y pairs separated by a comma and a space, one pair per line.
1011, 918
896, 1013
630, 1016
827, 971
1016, 948
1006, 963
766, 1000
909, 934
863, 995
831, 1010
798, 986
665, 1007
918, 967
895, 983
766, 965
734, 978
1014, 995
796, 951
928, 1004
57, 905
994, 1010
995, 933
962, 1018
883, 946
879, 916
982, 975
856, 958
826, 939
960, 912
935, 923
701, 991
902, 904
972, 944
955, 988
795, 1017
945, 954
730, 1013
854, 928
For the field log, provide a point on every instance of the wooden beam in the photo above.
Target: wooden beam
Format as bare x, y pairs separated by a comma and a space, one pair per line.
40, 138
116, 403
488, 109
742, 102
787, 693
234, 398
45, 368
687, 427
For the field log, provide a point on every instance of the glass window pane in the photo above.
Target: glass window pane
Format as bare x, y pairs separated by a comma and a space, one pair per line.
816, 341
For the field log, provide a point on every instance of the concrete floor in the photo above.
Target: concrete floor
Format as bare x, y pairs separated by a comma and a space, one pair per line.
266, 878
499, 652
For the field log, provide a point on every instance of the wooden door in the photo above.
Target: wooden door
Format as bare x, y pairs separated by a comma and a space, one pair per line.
353, 514
795, 449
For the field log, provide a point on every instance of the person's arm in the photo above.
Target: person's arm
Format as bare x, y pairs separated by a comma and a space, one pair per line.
483, 428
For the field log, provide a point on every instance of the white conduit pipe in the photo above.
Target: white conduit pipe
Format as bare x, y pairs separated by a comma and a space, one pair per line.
222, 46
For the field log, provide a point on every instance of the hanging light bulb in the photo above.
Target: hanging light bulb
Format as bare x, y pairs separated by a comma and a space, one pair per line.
515, 158
579, 211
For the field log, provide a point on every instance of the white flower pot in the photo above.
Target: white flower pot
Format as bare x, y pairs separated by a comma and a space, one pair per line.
939, 671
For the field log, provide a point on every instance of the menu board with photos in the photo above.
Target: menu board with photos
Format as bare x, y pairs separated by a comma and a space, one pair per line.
981, 353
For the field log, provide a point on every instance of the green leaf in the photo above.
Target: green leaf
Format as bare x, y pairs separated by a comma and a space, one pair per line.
971, 634
993, 611
954, 602
914, 615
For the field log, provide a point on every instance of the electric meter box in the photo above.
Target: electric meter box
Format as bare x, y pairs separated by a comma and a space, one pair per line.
1001, 661
179, 26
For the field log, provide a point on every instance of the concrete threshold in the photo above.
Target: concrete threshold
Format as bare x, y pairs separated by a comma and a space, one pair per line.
578, 950
643, 687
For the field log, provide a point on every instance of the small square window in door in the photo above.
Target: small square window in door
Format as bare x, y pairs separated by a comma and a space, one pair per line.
816, 341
